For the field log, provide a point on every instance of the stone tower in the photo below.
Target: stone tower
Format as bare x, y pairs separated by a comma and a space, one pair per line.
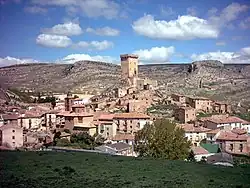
129, 65
69, 102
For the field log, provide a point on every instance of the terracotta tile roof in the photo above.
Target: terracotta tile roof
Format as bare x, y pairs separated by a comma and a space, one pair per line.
198, 150
187, 108
239, 131
214, 131
32, 114
229, 135
10, 116
131, 116
120, 136
78, 106
192, 128
230, 119
73, 114
106, 117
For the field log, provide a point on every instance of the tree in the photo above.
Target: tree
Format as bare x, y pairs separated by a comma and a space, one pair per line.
84, 140
162, 139
191, 156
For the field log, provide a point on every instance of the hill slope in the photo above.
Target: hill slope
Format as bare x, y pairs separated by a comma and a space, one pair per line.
230, 82
52, 169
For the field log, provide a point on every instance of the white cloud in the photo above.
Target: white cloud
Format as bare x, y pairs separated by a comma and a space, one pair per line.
245, 24
95, 45
155, 54
221, 56
55, 41
191, 11
166, 11
227, 15
72, 58
67, 29
184, 28
35, 10
242, 56
91, 8
7, 61
220, 43
105, 31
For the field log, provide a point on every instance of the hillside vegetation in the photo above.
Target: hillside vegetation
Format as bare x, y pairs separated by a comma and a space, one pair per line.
220, 81
55, 169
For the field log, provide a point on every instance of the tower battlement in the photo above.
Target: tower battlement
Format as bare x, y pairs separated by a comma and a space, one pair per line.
129, 65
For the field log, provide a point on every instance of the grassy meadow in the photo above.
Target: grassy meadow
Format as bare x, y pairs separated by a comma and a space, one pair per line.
75, 169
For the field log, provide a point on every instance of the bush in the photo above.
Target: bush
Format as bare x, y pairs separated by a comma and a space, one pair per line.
67, 131
63, 142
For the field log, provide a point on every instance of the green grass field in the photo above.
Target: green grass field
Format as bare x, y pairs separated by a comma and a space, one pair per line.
54, 169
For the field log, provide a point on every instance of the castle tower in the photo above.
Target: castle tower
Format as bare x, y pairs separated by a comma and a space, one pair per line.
129, 65
69, 102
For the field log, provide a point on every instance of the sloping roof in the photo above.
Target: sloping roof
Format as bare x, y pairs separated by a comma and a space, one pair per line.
10, 116
124, 136
73, 114
192, 128
32, 114
230, 119
198, 150
211, 148
214, 131
229, 135
220, 157
119, 146
106, 117
131, 116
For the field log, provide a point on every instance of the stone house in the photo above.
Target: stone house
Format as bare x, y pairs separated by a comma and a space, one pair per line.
9, 118
77, 120
49, 120
130, 122
30, 120
185, 114
194, 133
226, 122
222, 108
200, 103
179, 98
234, 141
120, 92
11, 136
122, 137
106, 125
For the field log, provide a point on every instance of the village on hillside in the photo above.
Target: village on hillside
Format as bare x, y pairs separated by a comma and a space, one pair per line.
114, 116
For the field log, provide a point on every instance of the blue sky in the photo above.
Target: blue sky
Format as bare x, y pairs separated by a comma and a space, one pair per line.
159, 31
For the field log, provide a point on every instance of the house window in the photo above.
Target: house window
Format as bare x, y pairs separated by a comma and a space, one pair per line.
186, 115
231, 147
131, 127
80, 120
131, 121
30, 122
241, 147
13, 130
13, 137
